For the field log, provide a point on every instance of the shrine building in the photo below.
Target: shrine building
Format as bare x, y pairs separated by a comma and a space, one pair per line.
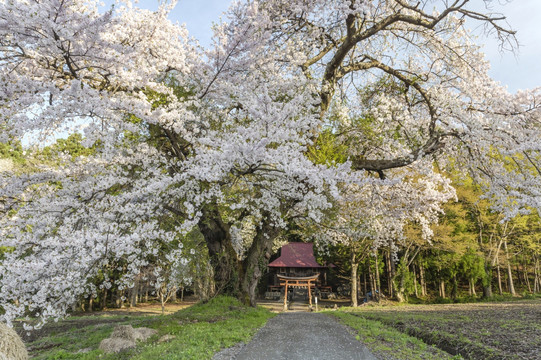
297, 260
297, 268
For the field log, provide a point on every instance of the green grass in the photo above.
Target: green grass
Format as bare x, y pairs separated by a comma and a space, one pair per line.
200, 331
388, 342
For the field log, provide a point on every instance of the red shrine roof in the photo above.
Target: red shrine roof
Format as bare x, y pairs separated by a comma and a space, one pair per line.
300, 255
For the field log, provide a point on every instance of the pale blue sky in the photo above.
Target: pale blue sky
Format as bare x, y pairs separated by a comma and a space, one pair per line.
519, 70
198, 15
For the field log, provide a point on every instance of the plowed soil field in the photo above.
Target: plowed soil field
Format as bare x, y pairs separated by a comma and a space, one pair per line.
509, 330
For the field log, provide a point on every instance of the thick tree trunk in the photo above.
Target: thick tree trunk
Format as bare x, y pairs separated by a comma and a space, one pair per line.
231, 276
223, 257
254, 265
204, 282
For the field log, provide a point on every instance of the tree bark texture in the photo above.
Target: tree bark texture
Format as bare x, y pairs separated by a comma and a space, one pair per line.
499, 276
422, 279
254, 265
354, 290
415, 281
471, 282
233, 276
510, 283
390, 274
537, 279
442, 288
223, 257
487, 285
377, 280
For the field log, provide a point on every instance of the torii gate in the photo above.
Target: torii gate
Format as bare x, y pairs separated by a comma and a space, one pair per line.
301, 282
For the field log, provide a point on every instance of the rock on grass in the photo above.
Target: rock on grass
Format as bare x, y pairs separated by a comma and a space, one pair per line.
145, 333
116, 345
125, 337
11, 345
166, 338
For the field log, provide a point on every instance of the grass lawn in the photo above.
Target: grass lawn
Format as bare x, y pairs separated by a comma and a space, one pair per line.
200, 330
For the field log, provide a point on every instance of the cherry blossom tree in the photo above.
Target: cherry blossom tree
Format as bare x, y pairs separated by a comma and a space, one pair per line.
63, 63
404, 85
375, 215
209, 138
176, 142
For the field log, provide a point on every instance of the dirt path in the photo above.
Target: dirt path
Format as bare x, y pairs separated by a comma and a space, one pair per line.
302, 336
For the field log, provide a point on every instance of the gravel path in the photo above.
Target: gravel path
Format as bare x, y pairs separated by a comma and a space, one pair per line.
302, 336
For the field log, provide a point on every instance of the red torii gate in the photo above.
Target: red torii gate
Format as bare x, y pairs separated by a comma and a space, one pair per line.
301, 282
